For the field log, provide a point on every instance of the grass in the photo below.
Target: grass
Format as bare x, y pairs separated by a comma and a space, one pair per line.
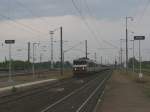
144, 70
14, 89
147, 89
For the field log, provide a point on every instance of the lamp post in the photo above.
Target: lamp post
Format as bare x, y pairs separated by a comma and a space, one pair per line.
127, 40
133, 56
121, 52
51, 33
33, 63
61, 48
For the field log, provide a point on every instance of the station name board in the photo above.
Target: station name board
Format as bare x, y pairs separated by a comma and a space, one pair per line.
9, 41
139, 37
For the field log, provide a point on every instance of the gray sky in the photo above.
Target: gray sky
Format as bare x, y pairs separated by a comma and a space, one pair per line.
103, 25
18, 9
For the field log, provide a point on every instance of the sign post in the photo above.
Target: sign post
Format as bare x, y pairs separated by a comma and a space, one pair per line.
139, 38
10, 60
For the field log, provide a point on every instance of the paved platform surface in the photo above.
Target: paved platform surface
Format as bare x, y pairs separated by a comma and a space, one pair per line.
26, 84
124, 95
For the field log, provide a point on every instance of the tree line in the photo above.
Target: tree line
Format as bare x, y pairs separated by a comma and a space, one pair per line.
25, 65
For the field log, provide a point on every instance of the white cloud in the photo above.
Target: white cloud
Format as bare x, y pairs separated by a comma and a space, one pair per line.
74, 30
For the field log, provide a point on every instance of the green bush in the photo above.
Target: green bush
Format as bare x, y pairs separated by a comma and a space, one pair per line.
14, 89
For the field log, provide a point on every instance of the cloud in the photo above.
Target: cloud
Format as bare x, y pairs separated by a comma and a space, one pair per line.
18, 9
52, 14
74, 30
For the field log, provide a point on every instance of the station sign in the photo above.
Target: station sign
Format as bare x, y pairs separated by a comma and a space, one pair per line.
9, 41
139, 37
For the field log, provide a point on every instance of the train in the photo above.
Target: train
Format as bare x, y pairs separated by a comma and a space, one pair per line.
85, 66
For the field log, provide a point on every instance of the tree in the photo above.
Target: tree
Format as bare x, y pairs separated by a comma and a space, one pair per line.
67, 64
130, 62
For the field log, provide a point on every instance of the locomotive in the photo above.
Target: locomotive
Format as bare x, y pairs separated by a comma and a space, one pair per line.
84, 66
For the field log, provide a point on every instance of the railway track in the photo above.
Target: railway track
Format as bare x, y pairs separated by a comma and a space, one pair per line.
55, 96
67, 104
22, 73
25, 93
35, 90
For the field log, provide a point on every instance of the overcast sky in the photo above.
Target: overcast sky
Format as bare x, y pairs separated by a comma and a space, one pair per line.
102, 24
103, 9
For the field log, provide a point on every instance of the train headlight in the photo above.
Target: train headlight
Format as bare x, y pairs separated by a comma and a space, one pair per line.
75, 69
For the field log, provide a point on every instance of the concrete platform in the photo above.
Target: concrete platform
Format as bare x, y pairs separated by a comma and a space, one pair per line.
26, 84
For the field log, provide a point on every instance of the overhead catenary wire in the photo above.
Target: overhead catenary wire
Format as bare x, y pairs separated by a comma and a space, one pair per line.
31, 12
29, 27
88, 25
15, 23
88, 8
22, 24
144, 11
92, 15
73, 47
84, 20
142, 14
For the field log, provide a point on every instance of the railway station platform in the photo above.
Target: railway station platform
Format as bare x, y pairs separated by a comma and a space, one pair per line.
124, 93
3, 89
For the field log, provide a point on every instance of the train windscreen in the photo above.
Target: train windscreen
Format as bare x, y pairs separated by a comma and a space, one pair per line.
79, 62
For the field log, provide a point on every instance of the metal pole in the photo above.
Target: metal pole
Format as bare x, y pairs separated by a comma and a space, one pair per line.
140, 74
52, 53
28, 51
61, 50
121, 52
101, 60
86, 48
133, 56
126, 44
63, 59
10, 61
120, 58
140, 56
115, 63
33, 68
41, 60
95, 57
